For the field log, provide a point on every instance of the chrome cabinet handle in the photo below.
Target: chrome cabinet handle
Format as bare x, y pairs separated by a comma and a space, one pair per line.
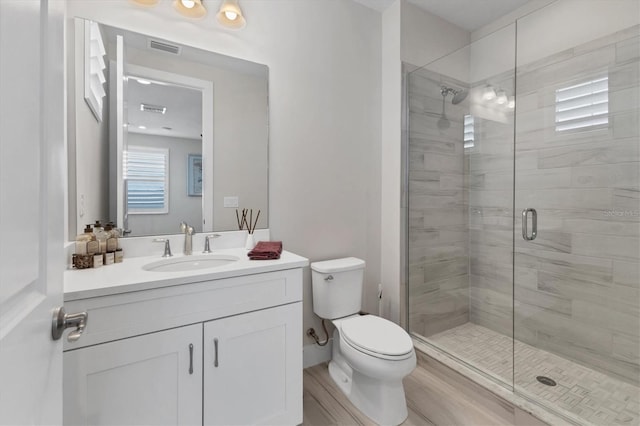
215, 352
190, 358
534, 224
62, 320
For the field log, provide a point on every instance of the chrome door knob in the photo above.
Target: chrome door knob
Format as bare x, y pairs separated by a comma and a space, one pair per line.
63, 320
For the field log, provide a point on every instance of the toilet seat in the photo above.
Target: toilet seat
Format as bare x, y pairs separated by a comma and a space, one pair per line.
376, 337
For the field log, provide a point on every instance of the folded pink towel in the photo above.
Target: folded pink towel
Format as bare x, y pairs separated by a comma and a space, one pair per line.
266, 250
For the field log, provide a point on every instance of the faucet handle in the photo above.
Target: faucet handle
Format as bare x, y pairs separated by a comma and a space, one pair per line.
186, 229
206, 242
167, 246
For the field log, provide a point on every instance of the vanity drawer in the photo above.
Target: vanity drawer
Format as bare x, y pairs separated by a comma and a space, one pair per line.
129, 314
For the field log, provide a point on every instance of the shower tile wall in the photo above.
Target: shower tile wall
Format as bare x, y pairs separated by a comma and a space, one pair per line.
577, 286
438, 232
490, 162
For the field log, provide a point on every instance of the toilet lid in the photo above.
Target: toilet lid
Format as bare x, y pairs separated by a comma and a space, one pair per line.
377, 335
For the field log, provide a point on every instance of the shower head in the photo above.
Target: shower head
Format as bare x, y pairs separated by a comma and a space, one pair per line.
458, 95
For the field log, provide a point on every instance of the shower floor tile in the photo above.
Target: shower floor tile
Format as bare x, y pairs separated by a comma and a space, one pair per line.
590, 395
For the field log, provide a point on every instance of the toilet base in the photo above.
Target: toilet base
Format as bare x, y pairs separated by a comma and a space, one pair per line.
383, 401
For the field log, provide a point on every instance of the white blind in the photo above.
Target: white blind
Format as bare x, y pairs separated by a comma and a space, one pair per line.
469, 140
94, 68
583, 105
146, 172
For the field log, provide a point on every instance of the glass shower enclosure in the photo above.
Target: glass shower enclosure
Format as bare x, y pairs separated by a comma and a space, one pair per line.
523, 201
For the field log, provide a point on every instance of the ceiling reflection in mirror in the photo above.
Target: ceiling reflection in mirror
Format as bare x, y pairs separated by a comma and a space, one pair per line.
168, 133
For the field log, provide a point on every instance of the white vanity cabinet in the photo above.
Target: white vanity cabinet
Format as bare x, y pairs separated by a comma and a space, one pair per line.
249, 376
223, 351
151, 379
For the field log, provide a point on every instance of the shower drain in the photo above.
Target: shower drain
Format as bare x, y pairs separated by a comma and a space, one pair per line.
546, 380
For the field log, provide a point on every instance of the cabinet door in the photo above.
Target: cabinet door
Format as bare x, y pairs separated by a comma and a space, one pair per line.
253, 368
146, 380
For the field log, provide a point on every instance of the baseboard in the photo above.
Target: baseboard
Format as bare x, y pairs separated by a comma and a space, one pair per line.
314, 354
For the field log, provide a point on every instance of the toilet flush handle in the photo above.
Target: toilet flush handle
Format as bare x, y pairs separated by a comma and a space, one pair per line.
329, 278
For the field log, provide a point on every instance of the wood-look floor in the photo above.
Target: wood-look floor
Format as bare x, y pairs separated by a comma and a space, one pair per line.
435, 395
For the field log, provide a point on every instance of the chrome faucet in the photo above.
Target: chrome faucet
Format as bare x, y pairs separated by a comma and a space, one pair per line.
188, 237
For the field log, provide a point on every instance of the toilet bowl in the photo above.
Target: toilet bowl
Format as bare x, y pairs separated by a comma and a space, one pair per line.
370, 355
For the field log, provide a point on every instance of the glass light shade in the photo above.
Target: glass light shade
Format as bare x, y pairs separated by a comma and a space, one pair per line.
489, 93
145, 2
230, 15
502, 97
190, 8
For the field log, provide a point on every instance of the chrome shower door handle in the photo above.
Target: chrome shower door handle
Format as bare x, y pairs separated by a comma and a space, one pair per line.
534, 224
215, 352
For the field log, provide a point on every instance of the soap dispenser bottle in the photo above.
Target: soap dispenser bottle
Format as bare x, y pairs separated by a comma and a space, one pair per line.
101, 236
112, 239
83, 239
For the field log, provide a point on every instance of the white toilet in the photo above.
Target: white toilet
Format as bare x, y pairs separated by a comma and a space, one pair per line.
371, 355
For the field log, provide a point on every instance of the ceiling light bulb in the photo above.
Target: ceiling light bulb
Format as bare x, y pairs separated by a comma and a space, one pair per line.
501, 99
190, 8
145, 2
489, 93
230, 15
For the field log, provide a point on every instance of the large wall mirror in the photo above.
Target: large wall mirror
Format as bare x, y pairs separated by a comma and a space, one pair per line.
161, 133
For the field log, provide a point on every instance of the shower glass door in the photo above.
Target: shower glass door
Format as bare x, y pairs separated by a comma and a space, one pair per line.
460, 204
577, 218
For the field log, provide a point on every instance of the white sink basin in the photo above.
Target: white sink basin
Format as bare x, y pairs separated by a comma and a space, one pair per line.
190, 263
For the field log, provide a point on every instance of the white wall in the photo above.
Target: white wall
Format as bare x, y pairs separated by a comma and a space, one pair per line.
546, 32
543, 27
410, 35
426, 37
391, 182
324, 117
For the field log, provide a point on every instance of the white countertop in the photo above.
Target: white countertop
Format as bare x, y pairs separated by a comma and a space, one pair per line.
129, 276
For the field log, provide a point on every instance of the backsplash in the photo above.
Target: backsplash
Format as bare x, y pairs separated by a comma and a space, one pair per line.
144, 246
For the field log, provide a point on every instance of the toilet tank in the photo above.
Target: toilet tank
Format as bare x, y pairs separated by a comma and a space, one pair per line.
337, 287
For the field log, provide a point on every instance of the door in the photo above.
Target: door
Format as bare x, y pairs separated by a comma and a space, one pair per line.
150, 379
577, 202
31, 209
253, 368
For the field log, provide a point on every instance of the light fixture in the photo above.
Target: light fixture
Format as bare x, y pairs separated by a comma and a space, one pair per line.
501, 98
230, 15
145, 2
190, 8
156, 109
489, 93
